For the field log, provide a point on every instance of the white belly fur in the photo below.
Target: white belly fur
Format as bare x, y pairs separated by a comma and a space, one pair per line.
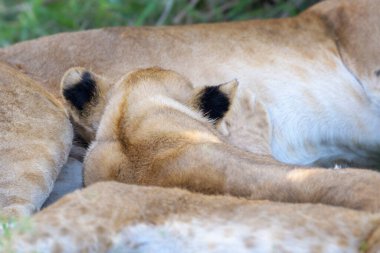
319, 113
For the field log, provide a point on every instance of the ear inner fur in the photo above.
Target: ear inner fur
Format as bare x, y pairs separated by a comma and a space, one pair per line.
82, 92
213, 102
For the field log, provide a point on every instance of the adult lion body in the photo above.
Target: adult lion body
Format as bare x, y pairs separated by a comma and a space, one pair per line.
309, 84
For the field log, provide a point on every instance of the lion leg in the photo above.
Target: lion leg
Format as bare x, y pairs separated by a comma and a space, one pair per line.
226, 171
35, 140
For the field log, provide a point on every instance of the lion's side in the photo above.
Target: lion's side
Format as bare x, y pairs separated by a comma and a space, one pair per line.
35, 140
115, 217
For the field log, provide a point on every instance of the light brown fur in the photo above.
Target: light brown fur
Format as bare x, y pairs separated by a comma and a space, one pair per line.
335, 41
149, 134
355, 25
328, 35
114, 217
35, 139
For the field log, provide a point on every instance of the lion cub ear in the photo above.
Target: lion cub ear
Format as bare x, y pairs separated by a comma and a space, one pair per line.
215, 101
84, 93
79, 89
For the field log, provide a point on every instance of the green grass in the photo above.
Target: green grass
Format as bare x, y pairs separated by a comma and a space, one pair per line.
22, 20
9, 227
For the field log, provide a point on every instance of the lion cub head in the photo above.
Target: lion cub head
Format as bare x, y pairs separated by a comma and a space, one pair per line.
146, 116
87, 94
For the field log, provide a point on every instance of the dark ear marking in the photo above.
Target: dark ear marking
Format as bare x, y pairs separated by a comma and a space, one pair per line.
82, 92
377, 73
213, 102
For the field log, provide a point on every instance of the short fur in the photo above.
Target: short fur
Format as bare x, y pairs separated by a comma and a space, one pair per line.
114, 217
309, 91
149, 134
35, 139
213, 103
81, 93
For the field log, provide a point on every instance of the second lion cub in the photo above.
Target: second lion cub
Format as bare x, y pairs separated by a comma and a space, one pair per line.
153, 128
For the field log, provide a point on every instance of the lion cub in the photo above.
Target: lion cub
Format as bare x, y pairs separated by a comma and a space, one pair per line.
35, 139
153, 128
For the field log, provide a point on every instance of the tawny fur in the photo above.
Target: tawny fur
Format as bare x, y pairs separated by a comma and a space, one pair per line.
35, 140
309, 84
114, 217
149, 134
308, 95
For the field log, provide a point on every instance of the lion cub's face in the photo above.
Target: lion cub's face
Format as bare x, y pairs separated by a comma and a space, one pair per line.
87, 94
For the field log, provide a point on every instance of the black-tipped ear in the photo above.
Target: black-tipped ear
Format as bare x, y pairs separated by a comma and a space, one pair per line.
215, 101
79, 88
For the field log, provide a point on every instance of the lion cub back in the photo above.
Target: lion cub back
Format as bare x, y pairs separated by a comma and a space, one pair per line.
35, 140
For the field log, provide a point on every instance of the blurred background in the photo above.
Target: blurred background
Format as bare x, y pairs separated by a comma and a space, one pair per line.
22, 20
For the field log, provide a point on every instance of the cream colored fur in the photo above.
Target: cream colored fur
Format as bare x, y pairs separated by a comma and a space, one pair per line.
35, 140
149, 133
114, 217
